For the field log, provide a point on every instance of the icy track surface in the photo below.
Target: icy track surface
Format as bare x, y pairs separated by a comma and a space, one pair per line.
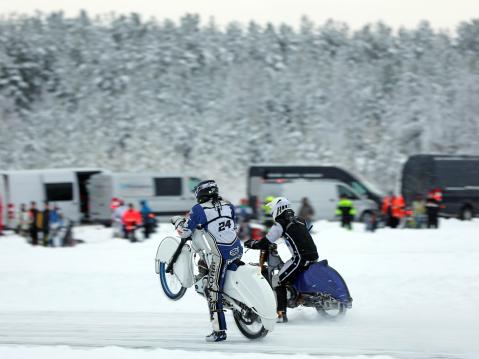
415, 294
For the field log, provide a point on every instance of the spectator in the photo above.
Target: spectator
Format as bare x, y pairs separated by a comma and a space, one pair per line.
117, 220
45, 222
306, 212
148, 218
131, 220
244, 213
419, 211
398, 211
54, 223
61, 231
386, 209
346, 211
371, 222
34, 218
432, 211
54, 215
115, 203
23, 221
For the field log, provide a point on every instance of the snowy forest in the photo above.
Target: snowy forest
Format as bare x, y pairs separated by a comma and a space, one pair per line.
128, 94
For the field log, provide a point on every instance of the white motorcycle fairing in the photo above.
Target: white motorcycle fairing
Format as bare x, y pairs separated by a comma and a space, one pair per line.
248, 286
183, 267
245, 284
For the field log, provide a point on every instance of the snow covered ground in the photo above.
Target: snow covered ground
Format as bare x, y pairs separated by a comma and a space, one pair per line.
415, 294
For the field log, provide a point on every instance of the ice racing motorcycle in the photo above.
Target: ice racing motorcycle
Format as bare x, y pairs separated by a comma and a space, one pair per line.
319, 286
246, 292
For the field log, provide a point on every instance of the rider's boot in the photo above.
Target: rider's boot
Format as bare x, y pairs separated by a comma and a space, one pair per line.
282, 317
216, 336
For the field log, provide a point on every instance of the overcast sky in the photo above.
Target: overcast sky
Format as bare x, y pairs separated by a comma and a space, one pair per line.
442, 14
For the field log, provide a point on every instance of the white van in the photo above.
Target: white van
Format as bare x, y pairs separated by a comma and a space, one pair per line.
167, 195
65, 188
260, 175
323, 195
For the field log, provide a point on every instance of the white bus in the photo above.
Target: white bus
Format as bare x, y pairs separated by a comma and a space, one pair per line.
65, 188
166, 194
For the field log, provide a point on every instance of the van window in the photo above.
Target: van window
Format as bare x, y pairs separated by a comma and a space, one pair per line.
458, 173
359, 188
192, 183
342, 190
58, 192
168, 186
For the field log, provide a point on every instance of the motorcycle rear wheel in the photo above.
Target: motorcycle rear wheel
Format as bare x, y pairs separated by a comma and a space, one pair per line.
250, 326
170, 284
332, 314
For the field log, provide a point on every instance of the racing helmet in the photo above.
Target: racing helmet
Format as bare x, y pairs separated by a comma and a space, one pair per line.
268, 200
205, 190
278, 206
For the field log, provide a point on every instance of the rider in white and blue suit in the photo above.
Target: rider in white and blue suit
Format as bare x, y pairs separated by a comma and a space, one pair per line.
217, 218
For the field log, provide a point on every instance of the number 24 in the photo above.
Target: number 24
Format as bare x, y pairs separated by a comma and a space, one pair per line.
223, 225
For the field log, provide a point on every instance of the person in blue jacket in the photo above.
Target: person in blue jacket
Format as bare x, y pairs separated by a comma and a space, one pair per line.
148, 218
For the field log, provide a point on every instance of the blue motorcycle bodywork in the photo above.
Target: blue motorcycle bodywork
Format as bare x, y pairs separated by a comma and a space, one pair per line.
321, 278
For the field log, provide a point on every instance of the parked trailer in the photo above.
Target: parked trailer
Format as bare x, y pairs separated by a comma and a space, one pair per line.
166, 194
65, 188
456, 177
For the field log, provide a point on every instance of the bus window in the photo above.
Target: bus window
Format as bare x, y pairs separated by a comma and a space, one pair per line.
58, 192
167, 186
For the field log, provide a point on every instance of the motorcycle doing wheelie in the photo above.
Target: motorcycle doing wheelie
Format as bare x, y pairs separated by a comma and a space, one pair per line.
319, 286
246, 292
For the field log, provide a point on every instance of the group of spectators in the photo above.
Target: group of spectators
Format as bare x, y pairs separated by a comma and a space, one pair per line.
423, 212
126, 219
47, 226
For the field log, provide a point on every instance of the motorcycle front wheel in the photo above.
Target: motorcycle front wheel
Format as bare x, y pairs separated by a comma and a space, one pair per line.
170, 284
249, 324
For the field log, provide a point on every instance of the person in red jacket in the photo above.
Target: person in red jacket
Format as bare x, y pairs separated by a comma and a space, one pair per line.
386, 209
131, 220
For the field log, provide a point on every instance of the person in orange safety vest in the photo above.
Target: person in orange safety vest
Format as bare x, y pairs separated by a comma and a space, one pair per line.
398, 206
398, 210
386, 209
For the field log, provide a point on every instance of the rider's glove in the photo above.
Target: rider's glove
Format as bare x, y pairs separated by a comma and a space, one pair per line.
178, 221
250, 244
263, 244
